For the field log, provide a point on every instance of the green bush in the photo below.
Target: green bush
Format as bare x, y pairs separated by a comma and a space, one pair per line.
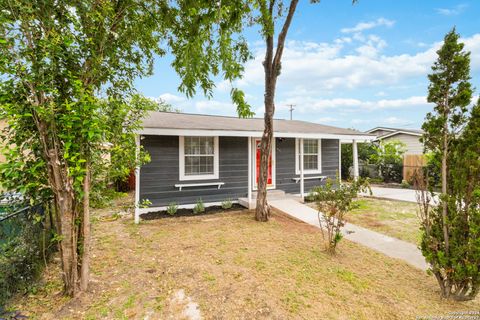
199, 207
227, 204
172, 208
26, 240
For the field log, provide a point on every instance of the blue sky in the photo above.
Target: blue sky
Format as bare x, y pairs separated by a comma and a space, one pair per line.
356, 66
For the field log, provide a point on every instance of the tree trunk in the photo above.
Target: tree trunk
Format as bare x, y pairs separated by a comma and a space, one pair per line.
262, 212
272, 66
447, 288
85, 269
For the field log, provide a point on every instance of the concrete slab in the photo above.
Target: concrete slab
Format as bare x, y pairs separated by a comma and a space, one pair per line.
396, 194
389, 246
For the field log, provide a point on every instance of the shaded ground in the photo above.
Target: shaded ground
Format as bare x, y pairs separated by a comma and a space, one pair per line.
228, 266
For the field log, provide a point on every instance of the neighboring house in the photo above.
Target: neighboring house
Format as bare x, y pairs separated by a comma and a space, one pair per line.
410, 137
215, 158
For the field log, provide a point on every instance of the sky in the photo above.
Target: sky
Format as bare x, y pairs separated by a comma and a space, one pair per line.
353, 66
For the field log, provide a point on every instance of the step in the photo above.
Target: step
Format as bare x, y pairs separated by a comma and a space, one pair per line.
271, 194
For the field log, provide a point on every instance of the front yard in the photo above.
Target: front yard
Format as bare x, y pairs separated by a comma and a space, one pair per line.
232, 267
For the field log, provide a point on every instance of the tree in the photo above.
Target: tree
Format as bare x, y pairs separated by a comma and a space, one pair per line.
67, 69
365, 150
388, 156
450, 240
272, 65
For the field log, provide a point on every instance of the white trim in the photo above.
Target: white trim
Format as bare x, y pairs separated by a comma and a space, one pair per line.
319, 158
249, 193
254, 167
182, 206
137, 181
206, 184
388, 135
256, 134
181, 161
321, 178
302, 164
380, 128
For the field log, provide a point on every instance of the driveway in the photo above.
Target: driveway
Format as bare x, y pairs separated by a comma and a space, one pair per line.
396, 194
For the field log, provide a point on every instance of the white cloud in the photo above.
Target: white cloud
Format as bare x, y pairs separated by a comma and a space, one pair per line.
397, 121
307, 104
452, 11
215, 107
362, 26
172, 98
312, 67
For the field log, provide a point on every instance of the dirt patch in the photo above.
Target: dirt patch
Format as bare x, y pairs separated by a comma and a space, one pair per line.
230, 266
189, 212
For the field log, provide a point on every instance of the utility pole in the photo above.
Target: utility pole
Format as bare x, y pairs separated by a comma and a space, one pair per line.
291, 110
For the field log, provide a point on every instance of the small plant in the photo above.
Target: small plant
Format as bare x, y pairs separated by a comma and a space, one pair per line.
172, 208
227, 204
199, 207
333, 201
310, 197
405, 184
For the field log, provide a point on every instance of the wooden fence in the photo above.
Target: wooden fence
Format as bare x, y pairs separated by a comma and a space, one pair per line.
412, 163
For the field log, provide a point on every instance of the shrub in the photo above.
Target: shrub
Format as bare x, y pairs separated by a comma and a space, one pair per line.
26, 240
199, 207
310, 197
172, 208
389, 157
333, 201
405, 184
227, 204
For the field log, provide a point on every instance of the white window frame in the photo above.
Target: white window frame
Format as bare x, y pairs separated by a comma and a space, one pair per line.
297, 156
181, 162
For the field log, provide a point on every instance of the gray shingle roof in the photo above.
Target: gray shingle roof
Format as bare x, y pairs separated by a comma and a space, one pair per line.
168, 120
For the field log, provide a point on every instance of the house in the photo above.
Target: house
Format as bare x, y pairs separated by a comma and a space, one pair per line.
217, 158
410, 137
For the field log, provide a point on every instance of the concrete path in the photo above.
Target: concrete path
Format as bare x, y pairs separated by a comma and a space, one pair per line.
396, 194
389, 246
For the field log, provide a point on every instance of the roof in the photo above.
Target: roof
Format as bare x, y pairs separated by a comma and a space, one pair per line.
397, 130
164, 122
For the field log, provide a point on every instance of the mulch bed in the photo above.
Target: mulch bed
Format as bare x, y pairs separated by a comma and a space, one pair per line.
189, 212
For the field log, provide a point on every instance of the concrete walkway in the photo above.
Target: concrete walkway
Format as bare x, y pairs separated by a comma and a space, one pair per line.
387, 245
396, 194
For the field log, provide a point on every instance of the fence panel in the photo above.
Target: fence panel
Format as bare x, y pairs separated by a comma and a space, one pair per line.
412, 163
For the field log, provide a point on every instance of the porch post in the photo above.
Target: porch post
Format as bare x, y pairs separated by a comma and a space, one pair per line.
302, 185
137, 181
355, 160
249, 171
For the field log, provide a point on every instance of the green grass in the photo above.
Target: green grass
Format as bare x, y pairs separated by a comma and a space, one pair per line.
394, 218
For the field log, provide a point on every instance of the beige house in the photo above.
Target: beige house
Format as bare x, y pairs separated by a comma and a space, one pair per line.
410, 137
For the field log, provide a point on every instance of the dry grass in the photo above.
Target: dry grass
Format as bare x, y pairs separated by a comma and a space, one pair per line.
394, 218
236, 268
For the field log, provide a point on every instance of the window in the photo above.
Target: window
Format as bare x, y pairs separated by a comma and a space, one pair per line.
198, 158
312, 159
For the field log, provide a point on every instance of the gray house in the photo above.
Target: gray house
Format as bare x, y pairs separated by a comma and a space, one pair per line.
216, 158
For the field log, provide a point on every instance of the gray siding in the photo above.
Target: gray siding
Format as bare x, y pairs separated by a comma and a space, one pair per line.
158, 178
285, 159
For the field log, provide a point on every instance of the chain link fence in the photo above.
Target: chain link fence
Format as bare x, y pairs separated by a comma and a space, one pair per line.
26, 234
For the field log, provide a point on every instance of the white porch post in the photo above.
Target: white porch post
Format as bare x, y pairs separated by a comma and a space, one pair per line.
137, 181
340, 161
302, 185
355, 160
249, 171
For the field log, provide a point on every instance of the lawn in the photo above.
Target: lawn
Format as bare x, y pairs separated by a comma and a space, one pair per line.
397, 219
233, 267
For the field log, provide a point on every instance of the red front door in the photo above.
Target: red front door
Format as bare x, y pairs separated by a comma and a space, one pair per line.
257, 162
